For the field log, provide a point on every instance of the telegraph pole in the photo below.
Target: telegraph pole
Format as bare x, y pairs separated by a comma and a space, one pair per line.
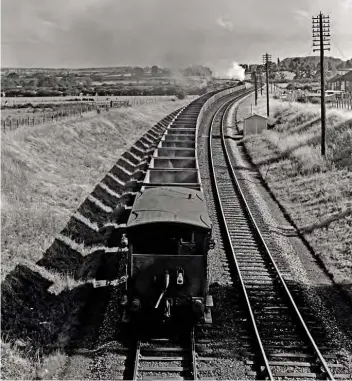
261, 82
255, 88
266, 61
321, 39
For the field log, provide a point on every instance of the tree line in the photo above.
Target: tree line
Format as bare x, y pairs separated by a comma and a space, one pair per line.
57, 83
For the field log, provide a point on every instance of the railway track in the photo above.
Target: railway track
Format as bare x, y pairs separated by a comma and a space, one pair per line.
166, 358
284, 346
153, 358
281, 342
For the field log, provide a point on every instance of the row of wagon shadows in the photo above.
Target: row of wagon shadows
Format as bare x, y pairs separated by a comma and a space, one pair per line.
40, 320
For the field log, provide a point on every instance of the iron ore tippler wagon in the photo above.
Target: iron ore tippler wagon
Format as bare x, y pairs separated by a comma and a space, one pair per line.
169, 233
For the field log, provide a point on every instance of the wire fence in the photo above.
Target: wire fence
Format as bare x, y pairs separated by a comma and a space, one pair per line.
343, 103
12, 123
133, 99
331, 101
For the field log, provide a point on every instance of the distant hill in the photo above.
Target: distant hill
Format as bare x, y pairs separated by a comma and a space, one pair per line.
309, 67
345, 65
291, 63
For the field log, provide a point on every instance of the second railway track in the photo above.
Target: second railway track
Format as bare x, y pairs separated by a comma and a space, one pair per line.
284, 346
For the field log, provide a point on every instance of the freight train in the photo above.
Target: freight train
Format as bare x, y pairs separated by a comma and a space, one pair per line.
169, 233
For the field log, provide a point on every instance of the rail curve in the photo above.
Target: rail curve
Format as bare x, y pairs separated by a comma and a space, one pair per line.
277, 323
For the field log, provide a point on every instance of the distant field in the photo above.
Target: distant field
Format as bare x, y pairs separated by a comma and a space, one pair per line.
289, 74
21, 100
54, 111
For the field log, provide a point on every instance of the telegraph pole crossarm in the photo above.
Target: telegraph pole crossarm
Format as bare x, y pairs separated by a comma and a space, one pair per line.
321, 38
261, 82
266, 61
255, 88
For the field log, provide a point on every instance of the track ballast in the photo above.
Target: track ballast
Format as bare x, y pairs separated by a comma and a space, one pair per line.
284, 345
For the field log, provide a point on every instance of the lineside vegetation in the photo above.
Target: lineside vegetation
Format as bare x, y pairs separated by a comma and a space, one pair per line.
47, 172
315, 191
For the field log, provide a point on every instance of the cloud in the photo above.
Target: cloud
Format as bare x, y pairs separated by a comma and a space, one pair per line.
136, 32
50, 24
347, 4
225, 24
302, 13
301, 16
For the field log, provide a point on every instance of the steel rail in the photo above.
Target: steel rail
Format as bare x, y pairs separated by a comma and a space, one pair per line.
267, 251
136, 360
194, 359
213, 178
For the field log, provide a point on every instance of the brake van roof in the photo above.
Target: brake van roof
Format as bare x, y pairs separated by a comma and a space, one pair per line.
170, 205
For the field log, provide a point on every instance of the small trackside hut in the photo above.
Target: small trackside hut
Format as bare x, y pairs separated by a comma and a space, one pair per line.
255, 124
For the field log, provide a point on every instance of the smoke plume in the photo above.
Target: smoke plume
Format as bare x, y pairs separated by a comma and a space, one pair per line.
236, 72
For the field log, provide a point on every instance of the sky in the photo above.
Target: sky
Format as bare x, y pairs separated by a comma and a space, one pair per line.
168, 33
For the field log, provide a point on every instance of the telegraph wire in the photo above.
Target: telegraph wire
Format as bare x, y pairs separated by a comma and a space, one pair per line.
337, 47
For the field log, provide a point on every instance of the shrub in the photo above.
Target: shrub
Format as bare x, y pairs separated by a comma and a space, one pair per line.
301, 99
180, 94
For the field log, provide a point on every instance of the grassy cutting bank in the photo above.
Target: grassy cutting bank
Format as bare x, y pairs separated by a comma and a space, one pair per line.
47, 172
316, 192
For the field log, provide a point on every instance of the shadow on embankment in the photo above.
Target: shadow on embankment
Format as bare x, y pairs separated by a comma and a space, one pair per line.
32, 314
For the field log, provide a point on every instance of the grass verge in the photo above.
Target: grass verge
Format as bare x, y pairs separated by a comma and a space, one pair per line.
315, 191
47, 171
